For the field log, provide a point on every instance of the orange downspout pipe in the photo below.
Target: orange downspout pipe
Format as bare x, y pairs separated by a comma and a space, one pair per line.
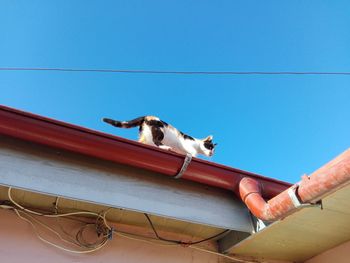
324, 181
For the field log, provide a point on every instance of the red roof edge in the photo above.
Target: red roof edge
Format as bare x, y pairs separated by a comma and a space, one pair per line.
50, 132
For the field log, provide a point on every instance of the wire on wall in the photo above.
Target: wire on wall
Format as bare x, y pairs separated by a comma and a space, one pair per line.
179, 241
98, 223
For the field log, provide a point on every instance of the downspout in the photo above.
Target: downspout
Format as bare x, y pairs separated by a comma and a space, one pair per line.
311, 189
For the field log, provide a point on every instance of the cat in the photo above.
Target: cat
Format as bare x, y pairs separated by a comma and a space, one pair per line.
153, 131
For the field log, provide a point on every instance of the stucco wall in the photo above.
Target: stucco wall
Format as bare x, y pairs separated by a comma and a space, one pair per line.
339, 254
18, 243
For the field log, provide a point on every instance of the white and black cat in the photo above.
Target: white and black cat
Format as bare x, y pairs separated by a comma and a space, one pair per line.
154, 131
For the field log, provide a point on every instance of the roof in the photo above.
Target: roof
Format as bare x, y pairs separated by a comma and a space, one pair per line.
298, 236
61, 135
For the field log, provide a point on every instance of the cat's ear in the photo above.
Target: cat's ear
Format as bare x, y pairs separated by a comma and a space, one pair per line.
208, 139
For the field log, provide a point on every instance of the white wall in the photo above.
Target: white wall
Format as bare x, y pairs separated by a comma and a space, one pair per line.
18, 243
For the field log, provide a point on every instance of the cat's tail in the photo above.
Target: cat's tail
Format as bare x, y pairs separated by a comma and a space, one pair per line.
125, 124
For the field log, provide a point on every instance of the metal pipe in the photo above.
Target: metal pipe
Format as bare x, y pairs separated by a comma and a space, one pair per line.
324, 181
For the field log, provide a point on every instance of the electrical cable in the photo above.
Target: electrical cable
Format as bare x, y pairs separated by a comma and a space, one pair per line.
59, 223
100, 224
181, 242
147, 240
155, 242
173, 72
55, 215
236, 259
101, 227
53, 244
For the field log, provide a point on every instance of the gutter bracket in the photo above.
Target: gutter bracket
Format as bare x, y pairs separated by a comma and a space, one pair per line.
296, 202
259, 225
293, 196
183, 169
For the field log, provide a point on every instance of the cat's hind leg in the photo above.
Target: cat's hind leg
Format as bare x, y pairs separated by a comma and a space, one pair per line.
158, 136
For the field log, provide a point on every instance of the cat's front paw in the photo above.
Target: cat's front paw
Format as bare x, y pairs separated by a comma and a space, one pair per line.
164, 147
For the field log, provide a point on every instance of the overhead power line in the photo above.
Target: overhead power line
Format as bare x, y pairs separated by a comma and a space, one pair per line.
173, 72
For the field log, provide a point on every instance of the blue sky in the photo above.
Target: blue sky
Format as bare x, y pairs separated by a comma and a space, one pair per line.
278, 126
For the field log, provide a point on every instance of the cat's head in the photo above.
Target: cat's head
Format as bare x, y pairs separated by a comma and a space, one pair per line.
207, 146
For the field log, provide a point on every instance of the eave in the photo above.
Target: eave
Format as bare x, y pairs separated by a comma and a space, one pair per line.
61, 135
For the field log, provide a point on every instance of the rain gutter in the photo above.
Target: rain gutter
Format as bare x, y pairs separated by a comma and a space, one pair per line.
50, 132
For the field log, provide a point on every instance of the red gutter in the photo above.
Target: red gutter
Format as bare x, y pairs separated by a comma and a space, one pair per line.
34, 128
311, 189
